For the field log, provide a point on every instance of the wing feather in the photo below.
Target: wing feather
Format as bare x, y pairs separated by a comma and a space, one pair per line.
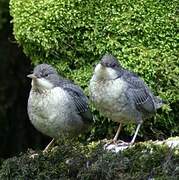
138, 90
79, 99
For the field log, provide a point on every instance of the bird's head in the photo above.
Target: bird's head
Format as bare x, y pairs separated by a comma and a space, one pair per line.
108, 68
44, 77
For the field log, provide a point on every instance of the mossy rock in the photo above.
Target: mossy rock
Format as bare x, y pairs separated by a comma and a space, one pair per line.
72, 35
143, 161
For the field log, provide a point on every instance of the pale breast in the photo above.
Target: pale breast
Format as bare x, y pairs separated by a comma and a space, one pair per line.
52, 111
109, 97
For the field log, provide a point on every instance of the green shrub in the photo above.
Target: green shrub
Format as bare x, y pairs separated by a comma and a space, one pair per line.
73, 34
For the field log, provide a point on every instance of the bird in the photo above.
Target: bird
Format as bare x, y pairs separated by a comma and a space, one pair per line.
56, 106
121, 95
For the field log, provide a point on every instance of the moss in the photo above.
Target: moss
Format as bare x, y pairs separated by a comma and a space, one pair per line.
73, 34
142, 161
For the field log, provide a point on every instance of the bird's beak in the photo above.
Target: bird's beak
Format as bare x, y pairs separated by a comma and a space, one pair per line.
32, 76
102, 64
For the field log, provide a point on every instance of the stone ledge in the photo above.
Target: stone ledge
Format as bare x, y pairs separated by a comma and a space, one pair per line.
144, 160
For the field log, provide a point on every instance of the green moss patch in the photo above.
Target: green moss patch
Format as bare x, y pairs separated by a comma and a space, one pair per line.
142, 161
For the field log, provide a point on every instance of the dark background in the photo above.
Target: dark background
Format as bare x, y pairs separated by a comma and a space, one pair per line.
16, 132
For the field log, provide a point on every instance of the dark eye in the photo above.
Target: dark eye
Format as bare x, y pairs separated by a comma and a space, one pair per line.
46, 75
113, 65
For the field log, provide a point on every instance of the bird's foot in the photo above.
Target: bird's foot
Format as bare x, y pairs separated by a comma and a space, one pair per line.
111, 141
116, 146
45, 151
32, 156
115, 142
121, 143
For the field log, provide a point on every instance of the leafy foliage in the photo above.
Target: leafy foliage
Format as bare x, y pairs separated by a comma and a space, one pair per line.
73, 34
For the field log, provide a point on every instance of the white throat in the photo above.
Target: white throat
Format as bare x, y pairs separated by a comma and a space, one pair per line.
41, 84
104, 73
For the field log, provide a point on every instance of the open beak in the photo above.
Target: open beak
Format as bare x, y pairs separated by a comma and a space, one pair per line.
32, 76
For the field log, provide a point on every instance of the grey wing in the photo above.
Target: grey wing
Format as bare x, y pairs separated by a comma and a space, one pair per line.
139, 93
80, 101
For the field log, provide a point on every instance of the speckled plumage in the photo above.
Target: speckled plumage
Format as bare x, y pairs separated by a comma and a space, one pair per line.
120, 94
110, 99
56, 106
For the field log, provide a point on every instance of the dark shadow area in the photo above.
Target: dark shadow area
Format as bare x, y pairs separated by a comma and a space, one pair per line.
16, 132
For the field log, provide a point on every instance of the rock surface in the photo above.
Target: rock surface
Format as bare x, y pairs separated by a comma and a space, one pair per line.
145, 160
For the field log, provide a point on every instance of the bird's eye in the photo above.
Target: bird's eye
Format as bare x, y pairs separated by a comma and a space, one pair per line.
113, 65
46, 75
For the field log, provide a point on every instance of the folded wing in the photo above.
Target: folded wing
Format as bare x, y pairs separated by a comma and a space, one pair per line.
140, 93
79, 99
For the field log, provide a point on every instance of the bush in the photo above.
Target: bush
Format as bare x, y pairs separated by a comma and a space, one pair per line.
73, 34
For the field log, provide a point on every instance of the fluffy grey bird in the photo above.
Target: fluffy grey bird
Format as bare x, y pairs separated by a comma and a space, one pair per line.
56, 106
121, 95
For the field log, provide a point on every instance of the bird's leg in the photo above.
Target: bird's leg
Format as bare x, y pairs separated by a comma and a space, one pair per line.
135, 135
49, 145
114, 140
117, 133
45, 150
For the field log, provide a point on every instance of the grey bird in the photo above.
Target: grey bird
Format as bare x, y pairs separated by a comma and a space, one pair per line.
121, 95
56, 106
